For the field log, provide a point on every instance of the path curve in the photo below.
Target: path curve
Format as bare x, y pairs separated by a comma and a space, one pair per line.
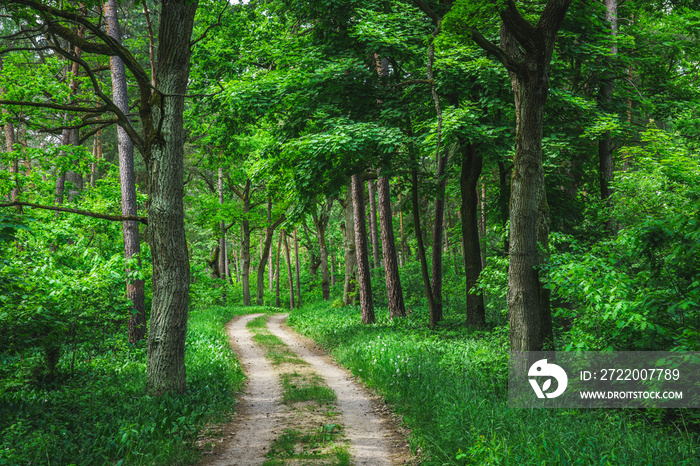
369, 436
259, 416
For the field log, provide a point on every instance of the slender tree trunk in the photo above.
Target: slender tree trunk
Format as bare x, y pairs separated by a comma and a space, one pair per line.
331, 262
277, 273
605, 97
269, 232
394, 291
437, 242
471, 170
61, 178
166, 227
97, 154
297, 267
127, 180
245, 246
421, 249
364, 279
290, 279
373, 230
321, 223
350, 247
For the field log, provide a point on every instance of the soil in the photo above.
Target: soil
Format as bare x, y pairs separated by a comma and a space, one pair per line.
371, 433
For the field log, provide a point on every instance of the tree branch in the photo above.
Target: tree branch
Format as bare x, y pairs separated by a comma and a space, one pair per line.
115, 218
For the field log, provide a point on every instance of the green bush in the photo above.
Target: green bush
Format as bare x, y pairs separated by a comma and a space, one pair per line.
102, 415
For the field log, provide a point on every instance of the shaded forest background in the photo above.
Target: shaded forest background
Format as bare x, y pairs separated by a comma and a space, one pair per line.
354, 152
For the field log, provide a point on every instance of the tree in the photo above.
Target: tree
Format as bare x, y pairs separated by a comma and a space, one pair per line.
391, 266
364, 280
132, 245
160, 140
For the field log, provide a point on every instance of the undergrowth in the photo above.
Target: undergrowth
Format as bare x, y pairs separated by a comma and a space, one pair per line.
450, 385
102, 414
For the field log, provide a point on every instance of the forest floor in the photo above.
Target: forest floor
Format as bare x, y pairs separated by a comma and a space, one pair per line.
299, 407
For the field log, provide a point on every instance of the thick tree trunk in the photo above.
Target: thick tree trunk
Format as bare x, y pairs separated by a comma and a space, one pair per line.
471, 170
394, 291
364, 279
171, 267
350, 247
528, 300
373, 230
127, 180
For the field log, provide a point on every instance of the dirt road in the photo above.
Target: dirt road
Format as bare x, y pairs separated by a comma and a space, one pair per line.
299, 407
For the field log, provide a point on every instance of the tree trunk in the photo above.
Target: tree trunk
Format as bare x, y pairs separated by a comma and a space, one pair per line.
528, 300
297, 267
471, 170
438, 241
171, 267
277, 274
321, 223
349, 294
97, 154
421, 249
373, 224
607, 87
394, 292
245, 245
127, 180
269, 232
290, 280
364, 279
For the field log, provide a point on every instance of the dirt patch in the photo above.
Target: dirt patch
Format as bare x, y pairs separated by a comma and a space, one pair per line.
327, 418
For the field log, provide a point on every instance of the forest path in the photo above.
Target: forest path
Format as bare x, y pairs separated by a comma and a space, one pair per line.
356, 424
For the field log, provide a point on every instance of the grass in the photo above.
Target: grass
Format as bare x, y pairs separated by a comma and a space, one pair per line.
298, 387
297, 445
276, 351
450, 385
102, 414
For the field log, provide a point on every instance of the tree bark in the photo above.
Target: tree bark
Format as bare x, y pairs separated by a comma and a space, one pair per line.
245, 245
373, 230
277, 274
97, 154
350, 247
528, 62
471, 170
321, 223
127, 180
607, 87
269, 232
364, 280
421, 249
171, 268
297, 267
290, 280
394, 291
436, 284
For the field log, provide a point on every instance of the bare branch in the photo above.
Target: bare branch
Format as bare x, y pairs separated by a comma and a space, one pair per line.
115, 218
